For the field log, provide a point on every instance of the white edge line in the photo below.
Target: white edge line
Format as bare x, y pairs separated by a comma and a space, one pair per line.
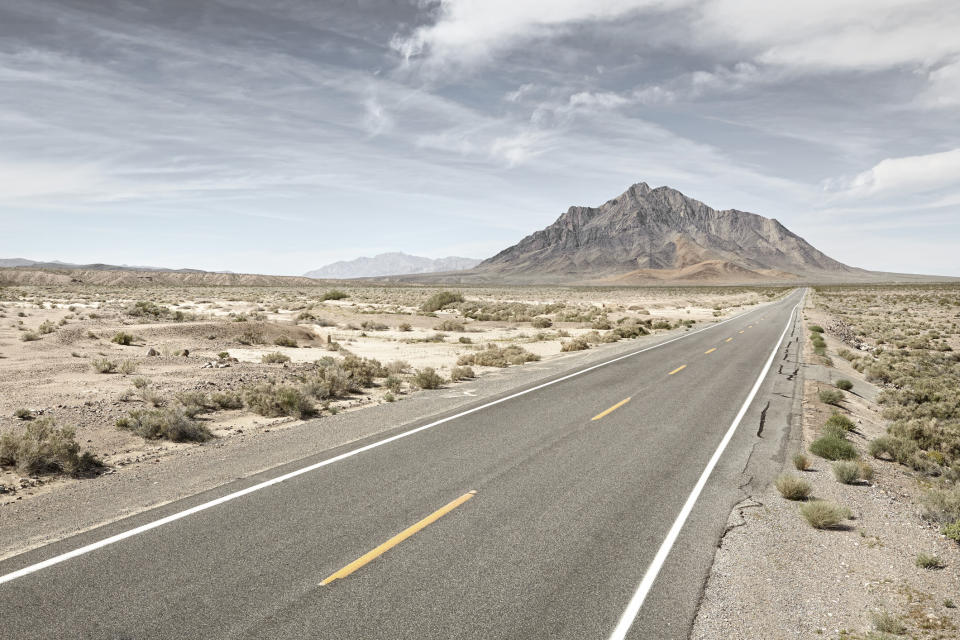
313, 467
636, 602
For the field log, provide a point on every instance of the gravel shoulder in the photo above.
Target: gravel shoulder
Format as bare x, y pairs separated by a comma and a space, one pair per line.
774, 576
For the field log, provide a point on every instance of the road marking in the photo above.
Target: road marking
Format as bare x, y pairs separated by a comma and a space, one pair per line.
611, 409
749, 326
741, 331
633, 607
709, 351
397, 539
728, 339
63, 557
680, 368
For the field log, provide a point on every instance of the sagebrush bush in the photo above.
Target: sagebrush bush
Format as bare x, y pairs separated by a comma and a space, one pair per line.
840, 422
801, 462
929, 561
494, 356
831, 396
846, 471
942, 505
542, 323
427, 378
285, 341
29, 336
334, 294
274, 358
885, 622
951, 531
577, 344
461, 373
170, 423
450, 325
833, 447
123, 338
227, 400
823, 515
43, 448
792, 488
102, 365
843, 384
273, 400
441, 300
127, 367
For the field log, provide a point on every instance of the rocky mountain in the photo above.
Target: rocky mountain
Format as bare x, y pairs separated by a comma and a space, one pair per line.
56, 264
660, 234
389, 264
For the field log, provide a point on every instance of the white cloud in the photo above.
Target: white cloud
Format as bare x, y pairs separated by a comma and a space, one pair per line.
519, 148
904, 176
943, 89
376, 120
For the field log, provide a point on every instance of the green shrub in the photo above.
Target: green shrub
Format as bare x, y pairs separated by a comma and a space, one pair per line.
846, 472
942, 505
831, 396
363, 371
792, 488
929, 561
274, 358
441, 300
843, 384
278, 400
801, 462
23, 414
815, 328
394, 383
123, 338
334, 294
832, 447
840, 422
951, 530
171, 423
464, 340
43, 448
427, 378
102, 365
285, 341
823, 515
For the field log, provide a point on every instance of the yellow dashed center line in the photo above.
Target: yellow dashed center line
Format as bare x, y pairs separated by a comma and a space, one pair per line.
728, 339
709, 351
680, 368
611, 409
741, 331
397, 539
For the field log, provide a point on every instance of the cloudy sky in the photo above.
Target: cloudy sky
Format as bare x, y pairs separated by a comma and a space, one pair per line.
278, 136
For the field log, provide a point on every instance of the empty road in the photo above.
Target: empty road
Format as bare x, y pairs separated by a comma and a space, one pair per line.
577, 508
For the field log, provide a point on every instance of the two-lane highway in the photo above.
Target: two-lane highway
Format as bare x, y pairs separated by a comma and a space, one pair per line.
585, 507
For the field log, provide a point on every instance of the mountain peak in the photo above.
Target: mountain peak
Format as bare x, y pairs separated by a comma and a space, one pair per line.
391, 264
660, 232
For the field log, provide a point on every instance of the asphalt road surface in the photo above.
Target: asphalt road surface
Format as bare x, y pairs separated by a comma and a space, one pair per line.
549, 513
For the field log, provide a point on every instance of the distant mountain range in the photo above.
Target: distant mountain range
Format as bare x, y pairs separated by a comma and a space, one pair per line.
56, 264
390, 264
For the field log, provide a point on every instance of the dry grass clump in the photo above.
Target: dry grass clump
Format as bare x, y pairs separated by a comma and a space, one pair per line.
43, 448
823, 515
846, 472
792, 488
494, 356
451, 325
123, 338
577, 344
885, 622
171, 423
541, 322
29, 336
929, 561
801, 462
272, 400
461, 373
274, 358
102, 365
831, 396
285, 341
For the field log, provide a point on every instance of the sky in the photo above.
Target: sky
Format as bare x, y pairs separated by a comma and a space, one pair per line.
275, 137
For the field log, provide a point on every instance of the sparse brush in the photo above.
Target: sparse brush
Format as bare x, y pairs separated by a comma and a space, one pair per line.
389, 397
334, 294
494, 356
843, 384
541, 323
127, 367
171, 423
840, 422
102, 365
398, 366
227, 400
461, 373
404, 326
29, 336
140, 383
274, 358
394, 383
823, 515
929, 561
123, 338
285, 341
23, 414
801, 462
831, 396
885, 622
441, 300
427, 378
577, 344
451, 325
278, 400
846, 472
866, 471
792, 487
951, 531
42, 448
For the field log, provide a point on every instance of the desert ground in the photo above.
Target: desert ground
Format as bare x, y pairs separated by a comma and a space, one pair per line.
884, 359
95, 377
